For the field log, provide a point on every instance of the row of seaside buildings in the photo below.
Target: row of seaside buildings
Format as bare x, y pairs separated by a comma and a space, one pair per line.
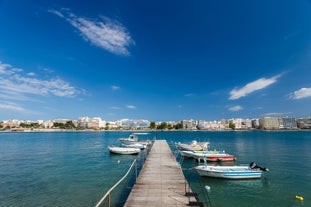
265, 123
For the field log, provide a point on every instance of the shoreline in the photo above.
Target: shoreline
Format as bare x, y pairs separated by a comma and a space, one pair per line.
25, 130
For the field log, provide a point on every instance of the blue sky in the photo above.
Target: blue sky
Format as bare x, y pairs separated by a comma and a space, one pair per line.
155, 60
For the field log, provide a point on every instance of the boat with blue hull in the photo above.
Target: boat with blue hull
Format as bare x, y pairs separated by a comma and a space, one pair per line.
250, 171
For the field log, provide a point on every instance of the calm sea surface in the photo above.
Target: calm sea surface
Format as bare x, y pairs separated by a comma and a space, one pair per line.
76, 168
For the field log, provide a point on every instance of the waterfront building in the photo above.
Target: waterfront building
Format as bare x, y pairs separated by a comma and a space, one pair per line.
83, 121
215, 125
269, 123
289, 123
238, 123
255, 123
241, 124
112, 124
48, 124
143, 124
10, 123
188, 124
200, 124
224, 124
126, 124
248, 123
96, 123
304, 123
40, 122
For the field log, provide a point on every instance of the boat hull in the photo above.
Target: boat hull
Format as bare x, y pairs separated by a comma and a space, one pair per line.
124, 150
228, 172
220, 158
211, 156
135, 145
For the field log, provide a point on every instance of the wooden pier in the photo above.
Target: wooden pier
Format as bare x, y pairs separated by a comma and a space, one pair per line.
161, 181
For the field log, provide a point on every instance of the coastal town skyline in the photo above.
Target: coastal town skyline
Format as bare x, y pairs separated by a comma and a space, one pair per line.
97, 123
155, 60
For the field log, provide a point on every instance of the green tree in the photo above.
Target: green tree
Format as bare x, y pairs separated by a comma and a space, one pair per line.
59, 125
152, 125
170, 126
163, 125
69, 125
24, 125
35, 125
107, 126
178, 126
232, 126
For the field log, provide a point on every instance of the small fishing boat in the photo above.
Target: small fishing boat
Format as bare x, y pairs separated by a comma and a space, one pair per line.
124, 150
250, 171
194, 145
133, 138
135, 145
209, 155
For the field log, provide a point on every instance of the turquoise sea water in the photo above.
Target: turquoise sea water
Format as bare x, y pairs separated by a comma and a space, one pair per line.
76, 169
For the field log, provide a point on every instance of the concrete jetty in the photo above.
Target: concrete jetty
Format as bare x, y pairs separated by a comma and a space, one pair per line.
161, 181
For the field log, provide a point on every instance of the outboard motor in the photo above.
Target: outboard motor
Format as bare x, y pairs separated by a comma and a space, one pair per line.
253, 165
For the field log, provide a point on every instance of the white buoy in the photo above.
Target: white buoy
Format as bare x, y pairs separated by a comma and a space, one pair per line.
118, 161
208, 188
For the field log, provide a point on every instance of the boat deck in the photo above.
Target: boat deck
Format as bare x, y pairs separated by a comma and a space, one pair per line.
161, 181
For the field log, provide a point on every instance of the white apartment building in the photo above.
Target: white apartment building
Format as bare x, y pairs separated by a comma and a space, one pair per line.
48, 124
95, 122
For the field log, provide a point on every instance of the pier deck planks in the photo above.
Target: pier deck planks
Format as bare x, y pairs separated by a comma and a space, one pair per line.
160, 182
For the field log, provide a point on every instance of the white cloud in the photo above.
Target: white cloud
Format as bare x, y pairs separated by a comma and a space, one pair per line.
11, 107
31, 74
301, 93
131, 107
57, 13
114, 107
252, 87
106, 33
235, 108
115, 88
16, 85
3, 67
276, 114
189, 95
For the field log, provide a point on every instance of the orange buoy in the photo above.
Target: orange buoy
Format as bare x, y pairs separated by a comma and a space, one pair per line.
300, 198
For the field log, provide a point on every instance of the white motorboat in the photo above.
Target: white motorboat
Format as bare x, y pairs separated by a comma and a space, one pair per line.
194, 145
209, 155
133, 138
250, 171
124, 150
135, 145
